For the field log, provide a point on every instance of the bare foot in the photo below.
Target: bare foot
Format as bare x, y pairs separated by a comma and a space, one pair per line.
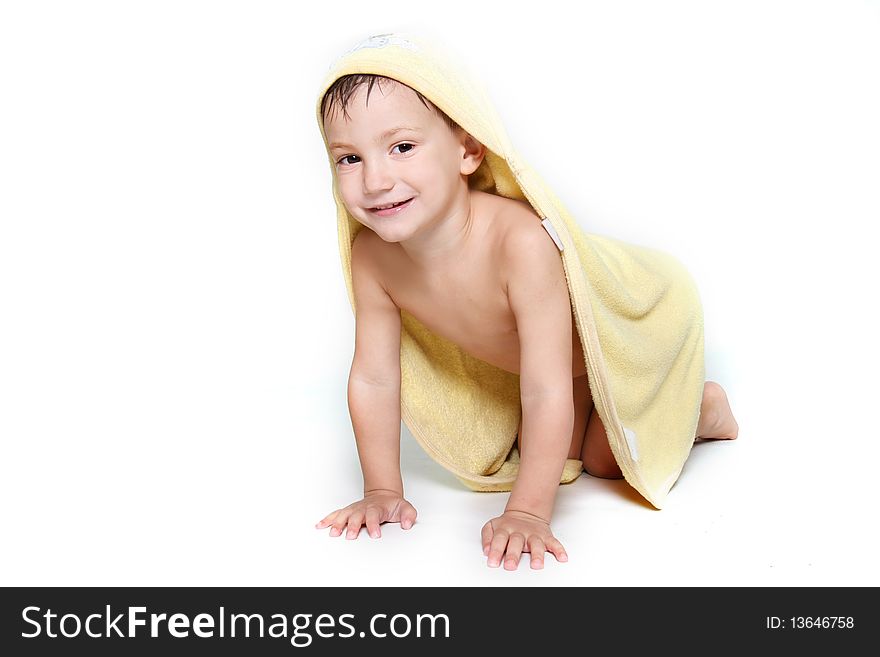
716, 419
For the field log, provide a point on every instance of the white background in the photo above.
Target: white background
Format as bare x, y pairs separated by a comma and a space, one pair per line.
175, 335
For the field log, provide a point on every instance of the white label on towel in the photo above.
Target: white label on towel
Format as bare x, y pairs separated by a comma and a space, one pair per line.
630, 436
381, 40
376, 41
552, 232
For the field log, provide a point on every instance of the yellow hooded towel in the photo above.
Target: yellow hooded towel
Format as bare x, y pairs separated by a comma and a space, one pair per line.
637, 311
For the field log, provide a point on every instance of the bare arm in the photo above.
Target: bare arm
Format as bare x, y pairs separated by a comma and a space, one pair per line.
374, 402
539, 298
538, 294
374, 379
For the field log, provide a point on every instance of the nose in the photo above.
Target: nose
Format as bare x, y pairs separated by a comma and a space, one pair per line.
376, 177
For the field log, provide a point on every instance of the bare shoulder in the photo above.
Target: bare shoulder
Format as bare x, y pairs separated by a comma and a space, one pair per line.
526, 247
368, 252
365, 244
369, 275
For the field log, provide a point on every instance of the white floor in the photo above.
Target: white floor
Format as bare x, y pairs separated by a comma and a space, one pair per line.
776, 507
743, 513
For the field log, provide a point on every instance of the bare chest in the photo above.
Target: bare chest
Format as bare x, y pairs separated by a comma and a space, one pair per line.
472, 310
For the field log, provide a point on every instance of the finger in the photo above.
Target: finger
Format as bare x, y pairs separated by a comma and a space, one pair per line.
354, 525
326, 520
339, 524
496, 548
486, 537
408, 516
372, 521
536, 549
556, 548
514, 551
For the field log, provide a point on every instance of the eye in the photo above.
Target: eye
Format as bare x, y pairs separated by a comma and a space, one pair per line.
342, 160
405, 150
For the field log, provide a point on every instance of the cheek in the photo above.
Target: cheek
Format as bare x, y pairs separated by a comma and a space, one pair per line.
430, 177
346, 187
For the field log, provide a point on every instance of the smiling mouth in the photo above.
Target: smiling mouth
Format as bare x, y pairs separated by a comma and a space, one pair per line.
388, 206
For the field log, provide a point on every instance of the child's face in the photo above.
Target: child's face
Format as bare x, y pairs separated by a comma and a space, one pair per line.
425, 162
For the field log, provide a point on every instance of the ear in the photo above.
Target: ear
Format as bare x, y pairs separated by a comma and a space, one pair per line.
472, 155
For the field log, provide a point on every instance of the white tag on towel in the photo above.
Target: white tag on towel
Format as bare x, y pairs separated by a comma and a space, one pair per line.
630, 436
382, 40
552, 232
377, 41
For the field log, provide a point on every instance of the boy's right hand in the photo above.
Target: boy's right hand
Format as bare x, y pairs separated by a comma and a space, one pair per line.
378, 506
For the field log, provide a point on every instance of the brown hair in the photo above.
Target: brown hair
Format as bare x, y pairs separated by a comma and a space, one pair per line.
344, 87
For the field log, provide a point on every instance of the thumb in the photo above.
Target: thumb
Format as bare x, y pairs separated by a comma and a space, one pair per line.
408, 515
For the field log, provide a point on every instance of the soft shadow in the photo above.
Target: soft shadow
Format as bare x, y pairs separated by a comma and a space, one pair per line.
625, 491
415, 462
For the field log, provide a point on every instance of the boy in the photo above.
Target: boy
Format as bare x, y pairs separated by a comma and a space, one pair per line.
478, 269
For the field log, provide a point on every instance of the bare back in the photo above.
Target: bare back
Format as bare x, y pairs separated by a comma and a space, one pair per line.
469, 304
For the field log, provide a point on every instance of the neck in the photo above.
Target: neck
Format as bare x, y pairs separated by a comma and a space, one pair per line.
440, 245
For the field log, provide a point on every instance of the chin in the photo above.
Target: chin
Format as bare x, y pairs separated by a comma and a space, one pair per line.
392, 230
391, 234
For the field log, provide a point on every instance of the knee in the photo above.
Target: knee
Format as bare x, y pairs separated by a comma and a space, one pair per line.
602, 465
597, 457
603, 470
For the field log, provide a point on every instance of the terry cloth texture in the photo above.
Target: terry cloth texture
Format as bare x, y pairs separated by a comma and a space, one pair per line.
637, 310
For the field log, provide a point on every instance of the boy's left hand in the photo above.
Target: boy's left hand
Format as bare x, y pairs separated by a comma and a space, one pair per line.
516, 532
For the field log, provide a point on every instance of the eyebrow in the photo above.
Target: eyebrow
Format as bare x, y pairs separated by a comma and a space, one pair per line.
382, 137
